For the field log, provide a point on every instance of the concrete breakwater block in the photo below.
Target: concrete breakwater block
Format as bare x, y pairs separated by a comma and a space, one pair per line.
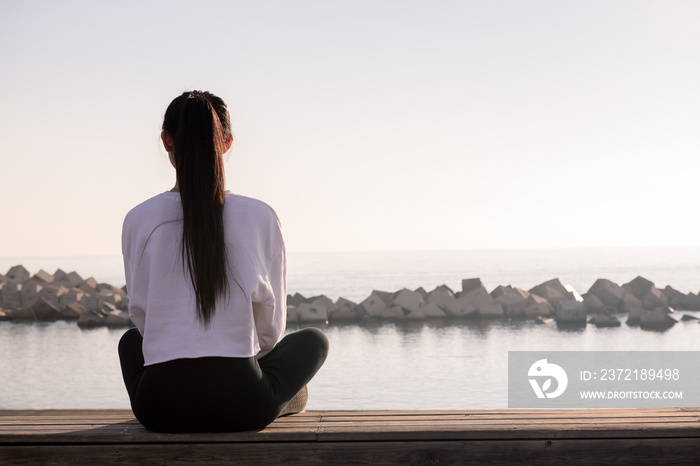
478, 296
43, 276
375, 303
10, 287
91, 302
117, 318
424, 294
91, 319
593, 303
343, 310
24, 314
675, 297
610, 293
18, 274
410, 303
604, 320
73, 311
542, 320
639, 287
392, 313
46, 311
295, 300
501, 290
323, 301
553, 291
106, 288
72, 279
513, 303
30, 291
658, 319
691, 302
88, 286
574, 294
59, 274
73, 296
570, 312
53, 292
309, 312
654, 298
474, 301
292, 315
315, 309
630, 303
538, 306
470, 284
441, 296
431, 311
461, 306
493, 310
634, 316
10, 298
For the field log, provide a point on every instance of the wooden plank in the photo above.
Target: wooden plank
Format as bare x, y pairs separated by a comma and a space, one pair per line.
69, 416
501, 412
370, 417
539, 414
556, 452
369, 426
143, 436
16, 420
494, 412
620, 437
326, 416
386, 420
65, 412
471, 421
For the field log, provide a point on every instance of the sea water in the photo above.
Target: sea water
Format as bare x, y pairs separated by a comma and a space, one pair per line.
417, 365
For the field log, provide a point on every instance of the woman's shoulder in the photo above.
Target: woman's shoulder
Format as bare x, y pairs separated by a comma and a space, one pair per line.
250, 206
162, 205
254, 224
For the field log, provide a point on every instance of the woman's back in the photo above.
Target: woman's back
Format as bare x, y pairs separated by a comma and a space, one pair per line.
157, 281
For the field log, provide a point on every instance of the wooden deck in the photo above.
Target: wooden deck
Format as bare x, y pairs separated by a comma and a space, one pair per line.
620, 437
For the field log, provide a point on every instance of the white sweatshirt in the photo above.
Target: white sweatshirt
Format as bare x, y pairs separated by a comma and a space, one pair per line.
162, 302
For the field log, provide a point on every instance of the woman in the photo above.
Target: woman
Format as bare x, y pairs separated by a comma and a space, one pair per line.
206, 275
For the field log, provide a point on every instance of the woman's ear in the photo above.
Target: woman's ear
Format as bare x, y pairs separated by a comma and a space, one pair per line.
167, 141
229, 142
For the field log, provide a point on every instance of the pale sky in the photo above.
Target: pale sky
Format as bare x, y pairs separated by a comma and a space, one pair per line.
367, 125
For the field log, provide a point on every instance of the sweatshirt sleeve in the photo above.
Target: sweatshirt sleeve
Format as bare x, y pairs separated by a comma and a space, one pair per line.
270, 314
136, 311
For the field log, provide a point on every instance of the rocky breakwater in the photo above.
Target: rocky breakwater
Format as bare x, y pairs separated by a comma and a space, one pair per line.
61, 296
606, 304
67, 296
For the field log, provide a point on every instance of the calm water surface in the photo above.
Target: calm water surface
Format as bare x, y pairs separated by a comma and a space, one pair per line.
430, 365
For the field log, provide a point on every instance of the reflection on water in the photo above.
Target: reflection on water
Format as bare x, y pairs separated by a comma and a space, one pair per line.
456, 364
410, 365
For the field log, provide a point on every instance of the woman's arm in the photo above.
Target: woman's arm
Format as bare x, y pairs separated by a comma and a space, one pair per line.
271, 314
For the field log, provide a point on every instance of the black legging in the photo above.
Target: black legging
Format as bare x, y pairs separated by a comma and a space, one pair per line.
218, 394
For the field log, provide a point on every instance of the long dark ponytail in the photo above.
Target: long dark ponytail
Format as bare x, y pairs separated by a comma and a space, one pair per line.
199, 125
